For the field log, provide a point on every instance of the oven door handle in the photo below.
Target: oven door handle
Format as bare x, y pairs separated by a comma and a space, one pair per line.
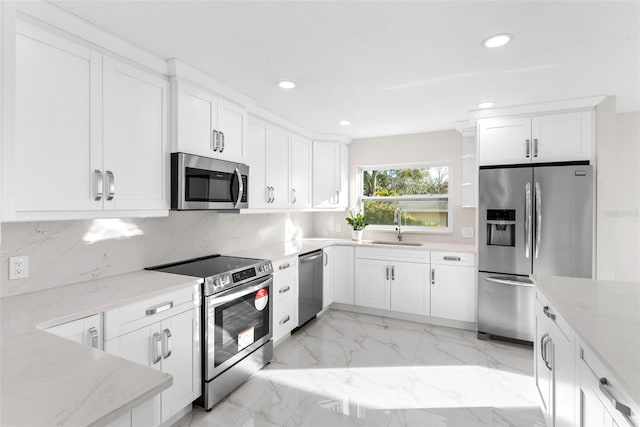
231, 294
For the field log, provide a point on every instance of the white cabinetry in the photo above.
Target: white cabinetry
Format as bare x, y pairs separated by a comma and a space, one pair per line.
285, 300
162, 333
338, 275
90, 133
280, 164
206, 123
330, 175
453, 290
395, 280
469, 169
538, 139
86, 331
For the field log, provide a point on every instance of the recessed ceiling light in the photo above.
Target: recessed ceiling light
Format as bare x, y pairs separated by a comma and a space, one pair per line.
487, 104
286, 84
344, 122
497, 40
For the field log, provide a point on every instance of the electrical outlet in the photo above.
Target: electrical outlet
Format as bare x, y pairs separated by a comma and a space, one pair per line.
18, 267
338, 228
467, 232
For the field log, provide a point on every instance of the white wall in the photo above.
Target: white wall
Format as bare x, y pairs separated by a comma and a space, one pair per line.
442, 146
618, 198
65, 252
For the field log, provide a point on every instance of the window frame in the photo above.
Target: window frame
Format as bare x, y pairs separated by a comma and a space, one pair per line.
408, 228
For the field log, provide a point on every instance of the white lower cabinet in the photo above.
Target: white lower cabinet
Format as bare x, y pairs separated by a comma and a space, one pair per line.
169, 342
86, 331
285, 297
338, 275
453, 286
410, 287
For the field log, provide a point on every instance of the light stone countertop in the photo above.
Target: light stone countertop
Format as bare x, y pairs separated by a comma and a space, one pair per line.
48, 380
606, 316
280, 250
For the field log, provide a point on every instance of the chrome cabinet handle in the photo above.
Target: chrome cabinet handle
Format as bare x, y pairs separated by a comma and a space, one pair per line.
272, 196
337, 197
547, 362
240, 188
93, 337
538, 217
156, 348
214, 145
221, 141
326, 259
285, 320
542, 347
620, 407
387, 273
111, 184
293, 196
98, 185
452, 258
393, 272
268, 194
159, 308
166, 343
284, 290
284, 266
527, 220
535, 147
433, 276
527, 148
548, 313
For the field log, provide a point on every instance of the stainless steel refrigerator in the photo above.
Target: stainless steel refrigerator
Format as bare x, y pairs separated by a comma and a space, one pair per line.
532, 220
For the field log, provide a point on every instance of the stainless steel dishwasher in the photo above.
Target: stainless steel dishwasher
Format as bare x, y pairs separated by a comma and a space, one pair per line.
309, 286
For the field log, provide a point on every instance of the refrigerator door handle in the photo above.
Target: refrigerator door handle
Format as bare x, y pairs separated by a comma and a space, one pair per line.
538, 217
527, 220
508, 282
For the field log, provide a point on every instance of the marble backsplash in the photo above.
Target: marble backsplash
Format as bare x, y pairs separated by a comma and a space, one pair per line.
65, 252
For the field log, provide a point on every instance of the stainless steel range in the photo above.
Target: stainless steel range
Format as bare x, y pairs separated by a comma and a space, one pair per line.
236, 320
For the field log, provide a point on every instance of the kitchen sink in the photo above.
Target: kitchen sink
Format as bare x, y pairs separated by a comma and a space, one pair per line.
396, 243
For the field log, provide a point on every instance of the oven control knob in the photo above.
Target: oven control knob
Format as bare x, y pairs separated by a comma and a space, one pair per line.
261, 269
216, 283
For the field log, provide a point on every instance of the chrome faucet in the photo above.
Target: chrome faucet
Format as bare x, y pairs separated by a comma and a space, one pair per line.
397, 219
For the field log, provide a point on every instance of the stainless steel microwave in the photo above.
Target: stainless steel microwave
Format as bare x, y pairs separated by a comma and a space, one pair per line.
201, 183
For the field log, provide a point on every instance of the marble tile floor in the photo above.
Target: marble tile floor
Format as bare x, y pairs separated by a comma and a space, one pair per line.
348, 369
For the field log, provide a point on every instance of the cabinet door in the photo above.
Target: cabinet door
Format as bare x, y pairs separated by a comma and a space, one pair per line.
543, 377
561, 137
301, 161
135, 119
343, 188
256, 158
504, 141
232, 119
277, 158
57, 124
328, 287
564, 380
326, 174
593, 412
409, 282
86, 331
372, 283
179, 335
197, 116
453, 293
342, 274
285, 317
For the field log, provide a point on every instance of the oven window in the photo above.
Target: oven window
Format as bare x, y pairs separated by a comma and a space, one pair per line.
239, 323
207, 186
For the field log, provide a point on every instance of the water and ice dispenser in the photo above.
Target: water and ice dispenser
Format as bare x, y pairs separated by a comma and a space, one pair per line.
501, 227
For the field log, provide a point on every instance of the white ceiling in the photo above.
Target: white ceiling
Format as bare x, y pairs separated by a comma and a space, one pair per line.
391, 67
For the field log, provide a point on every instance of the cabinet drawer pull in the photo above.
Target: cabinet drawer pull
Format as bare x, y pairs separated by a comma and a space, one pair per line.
156, 348
221, 142
452, 258
535, 147
98, 185
284, 266
387, 275
93, 337
159, 308
527, 149
283, 290
111, 185
214, 140
393, 272
433, 276
548, 313
620, 407
285, 320
166, 343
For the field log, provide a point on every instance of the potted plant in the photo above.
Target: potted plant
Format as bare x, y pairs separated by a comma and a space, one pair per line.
358, 222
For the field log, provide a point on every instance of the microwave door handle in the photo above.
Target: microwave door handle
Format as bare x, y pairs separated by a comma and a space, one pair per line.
240, 188
527, 220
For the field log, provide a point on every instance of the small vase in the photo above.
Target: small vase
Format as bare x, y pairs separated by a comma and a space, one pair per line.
356, 235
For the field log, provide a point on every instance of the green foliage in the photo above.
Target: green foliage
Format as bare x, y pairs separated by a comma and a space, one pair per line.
358, 221
406, 182
380, 212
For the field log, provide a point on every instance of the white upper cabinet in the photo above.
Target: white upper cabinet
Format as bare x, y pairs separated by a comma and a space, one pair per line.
277, 159
538, 139
90, 134
301, 154
330, 175
207, 124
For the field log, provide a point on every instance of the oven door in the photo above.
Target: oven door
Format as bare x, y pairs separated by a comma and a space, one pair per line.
237, 322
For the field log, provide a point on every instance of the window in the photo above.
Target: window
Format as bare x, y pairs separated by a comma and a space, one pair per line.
418, 193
